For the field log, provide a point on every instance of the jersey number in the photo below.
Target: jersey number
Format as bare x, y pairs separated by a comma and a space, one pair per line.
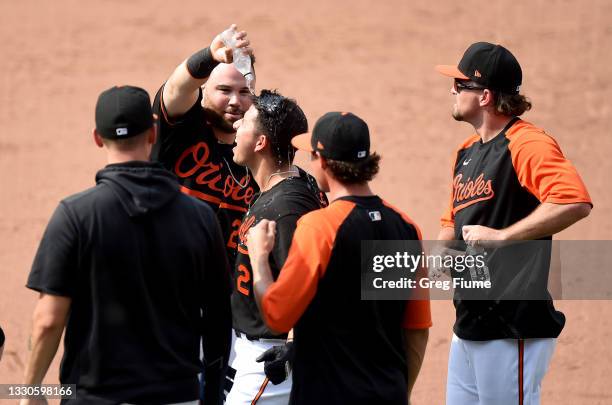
231, 241
243, 279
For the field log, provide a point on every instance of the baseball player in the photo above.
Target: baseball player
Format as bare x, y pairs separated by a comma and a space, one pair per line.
197, 107
510, 182
263, 144
131, 269
347, 351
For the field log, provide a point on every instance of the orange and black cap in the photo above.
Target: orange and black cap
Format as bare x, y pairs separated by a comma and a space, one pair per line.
339, 136
488, 65
123, 112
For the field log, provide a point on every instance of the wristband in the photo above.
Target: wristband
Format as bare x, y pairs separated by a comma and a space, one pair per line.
201, 63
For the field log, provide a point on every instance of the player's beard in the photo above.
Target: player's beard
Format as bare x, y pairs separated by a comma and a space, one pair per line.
217, 121
457, 115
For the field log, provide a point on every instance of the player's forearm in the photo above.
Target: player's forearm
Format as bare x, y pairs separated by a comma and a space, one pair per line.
262, 278
546, 220
446, 233
416, 343
181, 91
45, 341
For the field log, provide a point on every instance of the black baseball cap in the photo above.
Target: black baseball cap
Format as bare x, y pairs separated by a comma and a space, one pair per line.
489, 65
339, 136
123, 112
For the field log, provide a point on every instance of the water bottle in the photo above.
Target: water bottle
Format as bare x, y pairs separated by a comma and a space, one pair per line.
478, 273
242, 60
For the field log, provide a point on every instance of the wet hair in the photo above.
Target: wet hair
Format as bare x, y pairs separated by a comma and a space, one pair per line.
511, 104
280, 119
357, 172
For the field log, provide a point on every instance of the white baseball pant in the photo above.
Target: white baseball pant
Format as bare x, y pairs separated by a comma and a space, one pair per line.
250, 383
497, 372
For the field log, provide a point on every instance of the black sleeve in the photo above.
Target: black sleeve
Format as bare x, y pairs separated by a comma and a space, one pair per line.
217, 317
159, 108
169, 127
55, 264
285, 228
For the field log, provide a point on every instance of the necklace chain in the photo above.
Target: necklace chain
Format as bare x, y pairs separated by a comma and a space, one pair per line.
247, 176
293, 171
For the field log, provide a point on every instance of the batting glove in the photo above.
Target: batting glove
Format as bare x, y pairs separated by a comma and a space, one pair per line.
278, 362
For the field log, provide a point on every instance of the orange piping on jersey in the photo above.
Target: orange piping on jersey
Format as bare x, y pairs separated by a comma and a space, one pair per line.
200, 195
541, 167
242, 250
232, 207
261, 390
163, 107
417, 314
311, 249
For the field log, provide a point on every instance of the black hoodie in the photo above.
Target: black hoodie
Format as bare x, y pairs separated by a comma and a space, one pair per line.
141, 262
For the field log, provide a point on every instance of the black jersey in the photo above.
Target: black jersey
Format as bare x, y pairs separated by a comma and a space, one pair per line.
347, 350
284, 203
496, 184
205, 168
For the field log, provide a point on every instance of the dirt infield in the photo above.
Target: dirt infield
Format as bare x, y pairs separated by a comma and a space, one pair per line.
373, 58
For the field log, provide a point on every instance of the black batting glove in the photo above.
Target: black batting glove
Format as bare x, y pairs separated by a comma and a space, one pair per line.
278, 362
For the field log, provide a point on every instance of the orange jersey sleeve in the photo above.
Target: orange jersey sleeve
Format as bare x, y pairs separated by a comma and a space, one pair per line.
541, 167
311, 248
417, 315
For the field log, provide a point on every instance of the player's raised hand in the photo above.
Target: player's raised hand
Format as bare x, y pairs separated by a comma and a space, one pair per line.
260, 239
222, 52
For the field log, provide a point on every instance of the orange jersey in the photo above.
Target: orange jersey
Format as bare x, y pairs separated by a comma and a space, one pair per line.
496, 184
347, 349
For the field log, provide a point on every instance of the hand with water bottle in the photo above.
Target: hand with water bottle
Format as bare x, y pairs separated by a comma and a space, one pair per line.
232, 46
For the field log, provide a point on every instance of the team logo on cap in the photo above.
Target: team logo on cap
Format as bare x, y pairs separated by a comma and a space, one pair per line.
121, 131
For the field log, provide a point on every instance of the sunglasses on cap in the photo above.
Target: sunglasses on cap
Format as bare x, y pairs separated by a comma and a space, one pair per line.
460, 85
